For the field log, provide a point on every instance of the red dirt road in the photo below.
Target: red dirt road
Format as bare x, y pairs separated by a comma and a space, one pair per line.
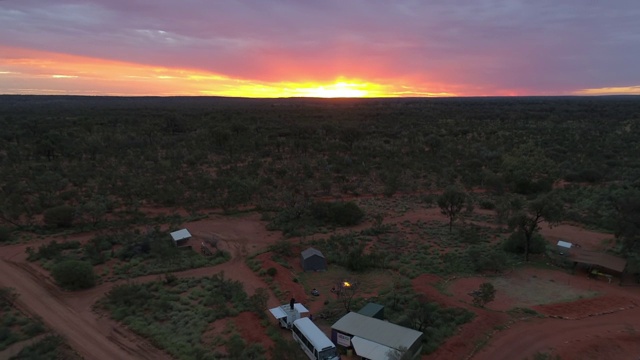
91, 338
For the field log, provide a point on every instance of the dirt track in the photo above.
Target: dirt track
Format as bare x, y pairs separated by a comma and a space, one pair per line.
617, 336
93, 338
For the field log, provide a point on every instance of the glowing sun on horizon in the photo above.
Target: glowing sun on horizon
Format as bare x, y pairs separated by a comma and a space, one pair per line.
338, 90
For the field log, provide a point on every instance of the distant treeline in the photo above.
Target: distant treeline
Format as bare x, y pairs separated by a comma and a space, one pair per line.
100, 155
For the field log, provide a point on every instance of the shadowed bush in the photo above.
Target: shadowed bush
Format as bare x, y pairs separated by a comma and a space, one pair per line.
74, 274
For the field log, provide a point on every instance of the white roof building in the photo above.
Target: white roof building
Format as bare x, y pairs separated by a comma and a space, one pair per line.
180, 235
564, 244
374, 338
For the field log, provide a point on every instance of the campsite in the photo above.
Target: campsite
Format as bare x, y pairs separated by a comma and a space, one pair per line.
305, 207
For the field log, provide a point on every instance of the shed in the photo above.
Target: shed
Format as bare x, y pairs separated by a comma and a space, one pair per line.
373, 310
313, 260
563, 247
180, 236
373, 338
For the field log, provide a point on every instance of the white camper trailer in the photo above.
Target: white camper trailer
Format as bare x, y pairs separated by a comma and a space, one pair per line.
287, 314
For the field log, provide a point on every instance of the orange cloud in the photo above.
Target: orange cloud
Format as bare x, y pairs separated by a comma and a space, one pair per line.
619, 90
26, 71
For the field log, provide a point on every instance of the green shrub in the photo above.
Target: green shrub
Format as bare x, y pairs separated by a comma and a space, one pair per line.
59, 216
5, 235
51, 250
74, 274
47, 348
485, 295
33, 328
337, 213
272, 271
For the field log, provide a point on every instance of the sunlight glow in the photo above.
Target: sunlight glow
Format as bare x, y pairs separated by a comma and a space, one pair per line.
56, 76
337, 90
621, 90
38, 72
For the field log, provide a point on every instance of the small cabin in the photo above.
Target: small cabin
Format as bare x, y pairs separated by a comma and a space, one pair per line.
313, 260
563, 247
180, 237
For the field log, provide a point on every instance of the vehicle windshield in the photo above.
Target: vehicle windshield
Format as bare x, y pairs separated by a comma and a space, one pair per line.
328, 354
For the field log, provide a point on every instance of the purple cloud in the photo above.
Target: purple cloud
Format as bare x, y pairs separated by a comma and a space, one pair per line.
537, 47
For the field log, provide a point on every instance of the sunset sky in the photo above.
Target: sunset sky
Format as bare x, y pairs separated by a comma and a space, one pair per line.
325, 48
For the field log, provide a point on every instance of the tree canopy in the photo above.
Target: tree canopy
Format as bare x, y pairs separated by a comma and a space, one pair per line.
451, 202
547, 208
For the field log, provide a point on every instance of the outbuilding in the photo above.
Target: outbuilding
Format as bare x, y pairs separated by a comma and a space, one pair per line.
563, 247
373, 310
375, 339
180, 237
313, 260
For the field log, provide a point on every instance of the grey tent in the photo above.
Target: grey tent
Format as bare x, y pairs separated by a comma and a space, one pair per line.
313, 260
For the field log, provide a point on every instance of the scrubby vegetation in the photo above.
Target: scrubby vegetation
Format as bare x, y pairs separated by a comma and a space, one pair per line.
130, 253
313, 168
175, 314
74, 274
52, 347
14, 325
235, 153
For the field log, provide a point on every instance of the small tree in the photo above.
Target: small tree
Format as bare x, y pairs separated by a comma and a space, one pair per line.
74, 274
484, 295
451, 202
546, 208
422, 313
258, 301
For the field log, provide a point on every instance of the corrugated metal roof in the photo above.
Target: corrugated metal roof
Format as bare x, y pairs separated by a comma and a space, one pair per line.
180, 235
371, 350
597, 258
371, 309
564, 244
376, 330
310, 252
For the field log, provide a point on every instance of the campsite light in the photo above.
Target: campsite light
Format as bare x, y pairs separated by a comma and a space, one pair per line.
346, 284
